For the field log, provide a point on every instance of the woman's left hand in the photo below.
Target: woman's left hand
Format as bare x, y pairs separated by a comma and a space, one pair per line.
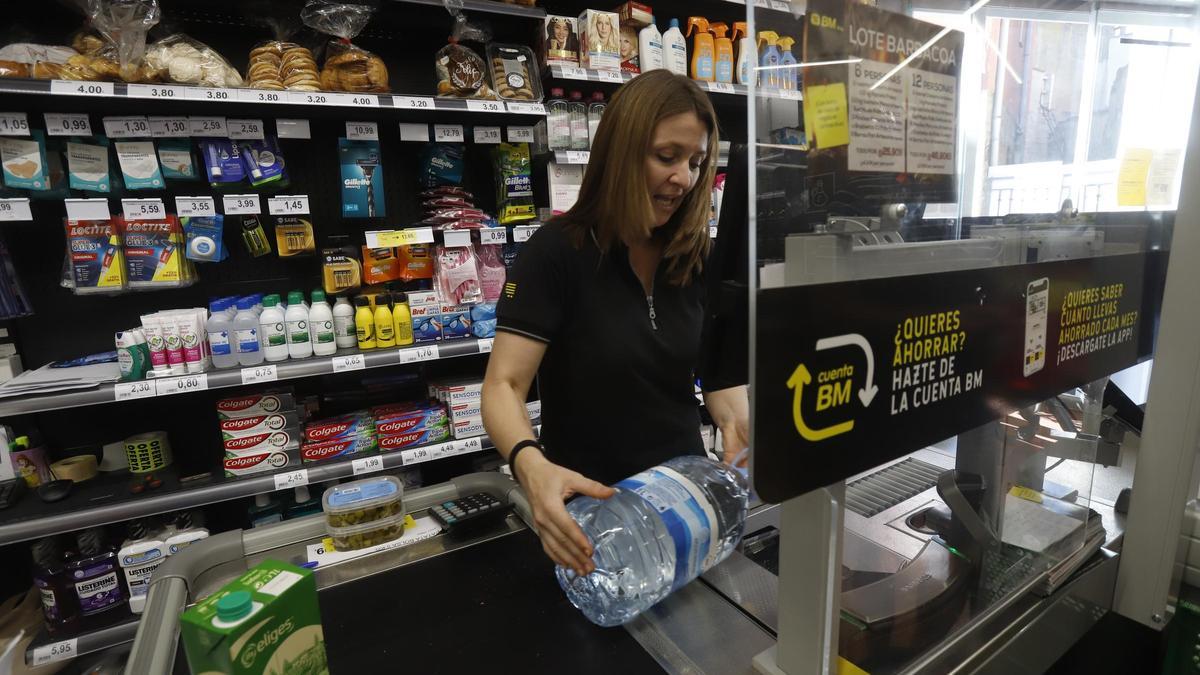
730, 409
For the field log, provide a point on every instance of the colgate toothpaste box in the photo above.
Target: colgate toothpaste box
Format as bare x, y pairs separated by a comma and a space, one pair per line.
409, 421
413, 438
315, 452
337, 428
255, 424
255, 404
238, 463
262, 441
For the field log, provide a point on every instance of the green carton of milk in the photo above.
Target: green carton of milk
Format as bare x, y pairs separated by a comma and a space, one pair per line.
264, 623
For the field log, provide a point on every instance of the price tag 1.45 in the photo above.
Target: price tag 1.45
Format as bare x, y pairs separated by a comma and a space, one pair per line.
68, 124
143, 209
55, 651
342, 364
237, 205
287, 205
251, 130
195, 206
362, 131
181, 385
291, 479
448, 133
127, 391
418, 354
263, 373
487, 134
367, 465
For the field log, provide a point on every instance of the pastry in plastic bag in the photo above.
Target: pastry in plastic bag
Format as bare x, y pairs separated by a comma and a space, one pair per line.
124, 24
347, 67
13, 69
461, 72
179, 58
278, 65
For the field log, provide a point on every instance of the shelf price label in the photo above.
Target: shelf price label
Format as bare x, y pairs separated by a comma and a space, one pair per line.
487, 134
68, 124
16, 208
262, 373
367, 465
485, 106
14, 124
414, 132
520, 134
418, 354
441, 450
574, 73
412, 102
126, 127
610, 76
792, 94
55, 651
292, 129
467, 445
291, 479
287, 205
236, 205
143, 209
493, 235
75, 88
251, 130
526, 108
208, 126
262, 96
181, 385
415, 456
457, 237
195, 206
343, 364
577, 156
362, 131
160, 91
448, 133
309, 98
720, 87
169, 127
127, 391
780, 6
485, 345
210, 94
356, 100
87, 209
522, 233
406, 237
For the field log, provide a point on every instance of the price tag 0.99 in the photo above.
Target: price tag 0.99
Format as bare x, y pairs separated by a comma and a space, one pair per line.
487, 134
195, 206
522, 233
16, 208
448, 133
143, 209
181, 385
362, 131
287, 205
291, 479
343, 364
55, 651
418, 354
493, 235
127, 391
237, 205
520, 134
126, 127
367, 465
251, 130
68, 124
263, 373
208, 126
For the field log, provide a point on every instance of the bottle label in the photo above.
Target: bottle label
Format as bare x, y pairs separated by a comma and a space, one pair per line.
687, 514
99, 593
323, 332
247, 341
343, 326
273, 334
297, 331
218, 342
138, 578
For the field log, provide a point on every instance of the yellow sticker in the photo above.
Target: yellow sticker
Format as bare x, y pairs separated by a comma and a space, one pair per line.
847, 668
827, 105
1026, 494
1131, 176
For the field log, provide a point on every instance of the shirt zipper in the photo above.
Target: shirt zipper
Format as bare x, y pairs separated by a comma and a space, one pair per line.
653, 316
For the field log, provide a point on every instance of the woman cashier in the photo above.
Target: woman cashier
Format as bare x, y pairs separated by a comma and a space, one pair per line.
606, 304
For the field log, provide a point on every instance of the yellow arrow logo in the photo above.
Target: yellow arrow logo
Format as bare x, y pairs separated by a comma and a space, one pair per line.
799, 378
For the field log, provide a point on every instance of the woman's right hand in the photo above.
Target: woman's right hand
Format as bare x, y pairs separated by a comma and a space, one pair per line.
548, 486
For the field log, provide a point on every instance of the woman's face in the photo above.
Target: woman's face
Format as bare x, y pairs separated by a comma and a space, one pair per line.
626, 47
603, 28
560, 31
677, 151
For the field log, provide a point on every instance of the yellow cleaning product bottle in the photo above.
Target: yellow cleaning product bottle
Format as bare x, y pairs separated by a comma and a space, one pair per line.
364, 323
723, 49
747, 53
702, 49
385, 326
402, 318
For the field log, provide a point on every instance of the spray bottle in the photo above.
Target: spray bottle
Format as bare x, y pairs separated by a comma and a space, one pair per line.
769, 58
723, 60
747, 53
702, 49
789, 78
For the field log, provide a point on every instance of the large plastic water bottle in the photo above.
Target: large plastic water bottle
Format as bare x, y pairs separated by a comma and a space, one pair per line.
663, 528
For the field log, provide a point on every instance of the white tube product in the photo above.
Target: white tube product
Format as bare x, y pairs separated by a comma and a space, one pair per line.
189, 326
158, 345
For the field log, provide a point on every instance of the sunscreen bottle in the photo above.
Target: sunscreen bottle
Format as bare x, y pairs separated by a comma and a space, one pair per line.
789, 78
747, 53
769, 58
702, 49
723, 53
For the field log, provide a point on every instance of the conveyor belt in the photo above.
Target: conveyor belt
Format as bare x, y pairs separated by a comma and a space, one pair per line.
493, 607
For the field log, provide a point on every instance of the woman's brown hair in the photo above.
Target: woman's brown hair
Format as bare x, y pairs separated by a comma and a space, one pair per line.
613, 202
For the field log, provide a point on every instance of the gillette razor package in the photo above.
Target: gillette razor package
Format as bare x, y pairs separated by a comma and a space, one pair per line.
362, 179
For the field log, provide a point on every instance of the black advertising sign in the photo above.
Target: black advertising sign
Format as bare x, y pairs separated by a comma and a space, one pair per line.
851, 375
878, 133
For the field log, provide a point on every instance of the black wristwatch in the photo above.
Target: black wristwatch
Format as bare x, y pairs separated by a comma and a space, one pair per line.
516, 450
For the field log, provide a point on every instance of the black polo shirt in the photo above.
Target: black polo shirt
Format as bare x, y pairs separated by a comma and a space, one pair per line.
617, 380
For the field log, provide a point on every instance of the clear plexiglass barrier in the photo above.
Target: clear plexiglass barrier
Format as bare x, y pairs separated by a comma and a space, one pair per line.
960, 221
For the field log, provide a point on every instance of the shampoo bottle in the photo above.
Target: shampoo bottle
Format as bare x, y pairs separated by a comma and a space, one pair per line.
675, 49
702, 49
769, 59
723, 53
650, 47
789, 78
747, 53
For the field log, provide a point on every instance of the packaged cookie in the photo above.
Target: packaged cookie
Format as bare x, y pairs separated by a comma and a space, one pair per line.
278, 65
514, 72
461, 72
347, 67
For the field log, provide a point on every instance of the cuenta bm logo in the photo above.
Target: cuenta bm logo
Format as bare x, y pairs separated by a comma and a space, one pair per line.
833, 387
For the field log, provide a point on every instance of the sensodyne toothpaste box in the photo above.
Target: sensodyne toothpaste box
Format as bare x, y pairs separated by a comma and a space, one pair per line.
266, 621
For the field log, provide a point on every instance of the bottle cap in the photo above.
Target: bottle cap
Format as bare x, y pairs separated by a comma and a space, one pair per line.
296, 298
361, 301
261, 500
246, 303
318, 296
271, 300
302, 494
674, 23
556, 92
598, 96
383, 298
576, 96
218, 305
234, 606
399, 298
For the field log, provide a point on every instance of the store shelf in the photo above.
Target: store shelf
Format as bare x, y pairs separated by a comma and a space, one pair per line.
612, 77
44, 649
344, 361
321, 99
777, 5
106, 499
485, 6
584, 156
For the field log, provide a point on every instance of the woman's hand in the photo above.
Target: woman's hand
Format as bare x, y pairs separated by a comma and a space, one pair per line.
730, 409
548, 485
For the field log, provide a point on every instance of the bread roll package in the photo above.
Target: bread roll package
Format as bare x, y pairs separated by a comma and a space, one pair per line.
347, 67
179, 58
461, 71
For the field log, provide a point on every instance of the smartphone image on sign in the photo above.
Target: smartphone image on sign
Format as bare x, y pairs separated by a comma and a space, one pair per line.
1037, 297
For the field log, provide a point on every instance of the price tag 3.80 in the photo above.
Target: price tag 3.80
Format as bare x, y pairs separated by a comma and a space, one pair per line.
195, 206
143, 209
287, 205
367, 465
448, 133
68, 124
238, 205
291, 479
55, 651
362, 131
